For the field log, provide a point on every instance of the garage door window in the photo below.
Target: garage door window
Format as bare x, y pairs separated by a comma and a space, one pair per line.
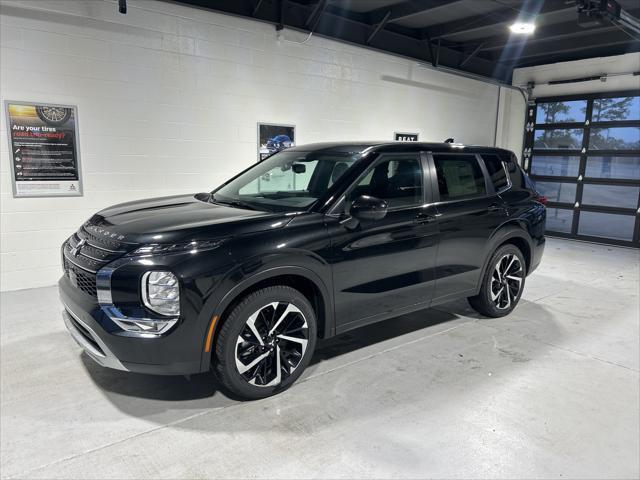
556, 166
557, 191
613, 167
596, 224
560, 138
583, 153
619, 138
558, 112
559, 219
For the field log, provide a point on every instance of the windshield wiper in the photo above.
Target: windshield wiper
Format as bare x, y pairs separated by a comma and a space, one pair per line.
234, 203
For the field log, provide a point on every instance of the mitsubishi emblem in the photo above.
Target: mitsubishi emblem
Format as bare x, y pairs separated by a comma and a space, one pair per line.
75, 250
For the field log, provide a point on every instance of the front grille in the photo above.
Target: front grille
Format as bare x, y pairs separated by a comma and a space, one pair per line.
82, 279
84, 253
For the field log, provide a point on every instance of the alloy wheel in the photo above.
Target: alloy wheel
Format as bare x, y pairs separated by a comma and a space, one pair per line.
54, 114
272, 344
506, 281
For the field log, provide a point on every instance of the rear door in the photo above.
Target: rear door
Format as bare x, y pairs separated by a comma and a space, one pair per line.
470, 209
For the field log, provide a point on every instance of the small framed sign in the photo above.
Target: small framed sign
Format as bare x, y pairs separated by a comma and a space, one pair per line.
405, 137
45, 155
273, 137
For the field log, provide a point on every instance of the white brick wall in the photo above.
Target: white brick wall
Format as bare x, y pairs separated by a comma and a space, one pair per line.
168, 100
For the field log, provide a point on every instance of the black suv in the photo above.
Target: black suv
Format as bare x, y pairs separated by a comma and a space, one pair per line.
311, 242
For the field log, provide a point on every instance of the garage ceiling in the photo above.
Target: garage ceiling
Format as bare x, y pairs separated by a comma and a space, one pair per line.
469, 35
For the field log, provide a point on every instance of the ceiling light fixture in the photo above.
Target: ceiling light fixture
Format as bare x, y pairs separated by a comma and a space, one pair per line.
522, 28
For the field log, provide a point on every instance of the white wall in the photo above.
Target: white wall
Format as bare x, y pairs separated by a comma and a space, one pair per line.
168, 99
510, 131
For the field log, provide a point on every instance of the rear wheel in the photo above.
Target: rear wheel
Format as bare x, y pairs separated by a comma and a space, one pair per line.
502, 283
266, 342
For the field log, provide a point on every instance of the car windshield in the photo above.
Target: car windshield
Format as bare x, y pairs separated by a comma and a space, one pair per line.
286, 181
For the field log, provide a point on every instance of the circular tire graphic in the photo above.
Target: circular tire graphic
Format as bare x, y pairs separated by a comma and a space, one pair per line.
54, 116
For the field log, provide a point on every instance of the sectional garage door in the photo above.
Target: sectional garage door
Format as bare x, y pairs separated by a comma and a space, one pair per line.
583, 154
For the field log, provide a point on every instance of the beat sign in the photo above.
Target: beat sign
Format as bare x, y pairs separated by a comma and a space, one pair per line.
406, 137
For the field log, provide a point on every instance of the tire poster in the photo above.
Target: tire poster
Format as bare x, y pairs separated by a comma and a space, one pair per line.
43, 139
272, 138
405, 137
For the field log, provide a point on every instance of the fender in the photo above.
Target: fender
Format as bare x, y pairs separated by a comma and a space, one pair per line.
216, 307
506, 231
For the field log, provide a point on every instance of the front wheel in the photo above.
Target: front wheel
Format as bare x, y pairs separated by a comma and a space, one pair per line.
502, 283
266, 342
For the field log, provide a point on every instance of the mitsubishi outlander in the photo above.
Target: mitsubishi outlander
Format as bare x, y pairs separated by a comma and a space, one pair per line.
312, 242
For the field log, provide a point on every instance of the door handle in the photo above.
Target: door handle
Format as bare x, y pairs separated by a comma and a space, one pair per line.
424, 218
494, 207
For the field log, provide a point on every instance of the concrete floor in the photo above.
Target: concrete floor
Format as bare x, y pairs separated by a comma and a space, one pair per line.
550, 391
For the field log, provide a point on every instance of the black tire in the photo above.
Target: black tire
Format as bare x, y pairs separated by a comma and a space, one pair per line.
497, 296
54, 116
294, 356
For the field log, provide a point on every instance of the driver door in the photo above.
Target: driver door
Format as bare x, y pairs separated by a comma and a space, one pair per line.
384, 266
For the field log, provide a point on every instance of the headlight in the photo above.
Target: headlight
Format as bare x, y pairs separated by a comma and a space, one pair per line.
167, 248
161, 293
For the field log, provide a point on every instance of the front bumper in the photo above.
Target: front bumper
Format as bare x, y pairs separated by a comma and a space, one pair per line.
90, 342
109, 346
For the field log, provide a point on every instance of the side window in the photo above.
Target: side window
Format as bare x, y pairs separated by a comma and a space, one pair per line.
496, 170
397, 179
517, 176
459, 177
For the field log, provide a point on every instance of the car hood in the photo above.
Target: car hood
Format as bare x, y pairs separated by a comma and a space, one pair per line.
182, 218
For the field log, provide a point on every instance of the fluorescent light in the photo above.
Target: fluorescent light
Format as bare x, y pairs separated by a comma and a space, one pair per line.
522, 28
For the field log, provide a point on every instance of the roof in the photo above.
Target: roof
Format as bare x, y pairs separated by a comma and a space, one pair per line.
386, 146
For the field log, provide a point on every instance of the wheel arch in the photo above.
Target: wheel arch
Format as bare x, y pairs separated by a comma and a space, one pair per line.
511, 233
302, 279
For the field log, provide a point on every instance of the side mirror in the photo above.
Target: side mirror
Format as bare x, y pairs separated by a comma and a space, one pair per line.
368, 208
299, 167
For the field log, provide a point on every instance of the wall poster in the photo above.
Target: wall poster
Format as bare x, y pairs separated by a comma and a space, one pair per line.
405, 137
45, 158
274, 137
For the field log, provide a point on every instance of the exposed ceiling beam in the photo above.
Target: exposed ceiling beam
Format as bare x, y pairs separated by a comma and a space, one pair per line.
602, 39
497, 18
594, 52
432, 57
379, 27
409, 8
348, 29
471, 55
317, 11
256, 8
560, 31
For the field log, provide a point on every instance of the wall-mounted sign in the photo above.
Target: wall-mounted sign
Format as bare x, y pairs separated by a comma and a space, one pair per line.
45, 158
273, 137
405, 137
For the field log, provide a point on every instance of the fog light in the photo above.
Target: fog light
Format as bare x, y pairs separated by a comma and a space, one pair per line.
161, 293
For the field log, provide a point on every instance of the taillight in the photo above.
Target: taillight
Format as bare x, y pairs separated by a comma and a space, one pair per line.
541, 199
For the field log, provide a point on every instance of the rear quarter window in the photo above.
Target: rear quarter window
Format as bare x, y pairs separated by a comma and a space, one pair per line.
497, 172
517, 176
